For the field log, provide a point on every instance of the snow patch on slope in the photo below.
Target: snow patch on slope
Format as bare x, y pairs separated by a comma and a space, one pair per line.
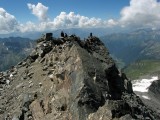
140, 87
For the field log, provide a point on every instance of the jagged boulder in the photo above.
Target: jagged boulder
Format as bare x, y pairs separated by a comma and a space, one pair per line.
68, 78
154, 92
155, 87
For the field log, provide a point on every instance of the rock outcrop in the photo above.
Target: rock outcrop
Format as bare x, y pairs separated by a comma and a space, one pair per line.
154, 95
69, 79
155, 87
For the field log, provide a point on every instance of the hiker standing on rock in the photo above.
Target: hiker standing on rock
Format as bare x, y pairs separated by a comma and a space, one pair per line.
62, 34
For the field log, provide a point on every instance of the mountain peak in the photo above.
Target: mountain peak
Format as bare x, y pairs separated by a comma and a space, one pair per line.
69, 78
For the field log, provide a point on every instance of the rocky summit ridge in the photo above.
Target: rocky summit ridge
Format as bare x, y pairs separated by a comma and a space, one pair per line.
68, 78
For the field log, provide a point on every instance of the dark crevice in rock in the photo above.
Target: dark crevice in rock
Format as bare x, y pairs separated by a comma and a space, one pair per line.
22, 116
115, 82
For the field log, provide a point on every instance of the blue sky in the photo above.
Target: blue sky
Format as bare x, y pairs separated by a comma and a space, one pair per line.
28, 15
100, 9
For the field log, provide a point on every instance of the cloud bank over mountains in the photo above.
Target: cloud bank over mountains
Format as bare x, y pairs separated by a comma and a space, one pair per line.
139, 14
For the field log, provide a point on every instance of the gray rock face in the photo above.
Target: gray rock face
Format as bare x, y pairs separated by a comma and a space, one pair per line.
67, 78
154, 94
155, 87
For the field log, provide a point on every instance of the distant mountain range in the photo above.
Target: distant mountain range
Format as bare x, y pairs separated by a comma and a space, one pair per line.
138, 52
137, 45
13, 50
125, 48
82, 32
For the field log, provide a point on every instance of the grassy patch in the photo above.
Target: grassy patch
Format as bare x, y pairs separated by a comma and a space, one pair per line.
142, 68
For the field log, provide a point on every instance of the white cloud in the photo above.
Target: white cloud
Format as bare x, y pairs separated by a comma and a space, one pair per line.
27, 27
141, 13
75, 20
112, 23
8, 22
64, 20
39, 11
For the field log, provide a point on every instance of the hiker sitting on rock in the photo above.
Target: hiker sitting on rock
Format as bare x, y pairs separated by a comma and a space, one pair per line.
66, 35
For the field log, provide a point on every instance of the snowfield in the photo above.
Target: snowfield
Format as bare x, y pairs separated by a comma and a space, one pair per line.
140, 87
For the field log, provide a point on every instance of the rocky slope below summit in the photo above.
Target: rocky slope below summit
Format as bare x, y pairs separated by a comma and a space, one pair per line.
69, 79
